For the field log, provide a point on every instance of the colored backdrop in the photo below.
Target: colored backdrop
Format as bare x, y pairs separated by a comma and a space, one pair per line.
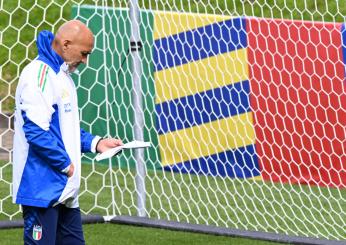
237, 97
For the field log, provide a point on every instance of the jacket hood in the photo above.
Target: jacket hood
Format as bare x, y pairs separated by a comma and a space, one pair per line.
45, 51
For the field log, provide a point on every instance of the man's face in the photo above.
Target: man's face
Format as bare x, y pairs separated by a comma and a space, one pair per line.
77, 52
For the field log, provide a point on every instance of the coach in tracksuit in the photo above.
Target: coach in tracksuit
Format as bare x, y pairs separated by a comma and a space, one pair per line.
48, 140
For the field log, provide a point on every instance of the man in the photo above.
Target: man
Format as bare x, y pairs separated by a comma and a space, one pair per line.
48, 140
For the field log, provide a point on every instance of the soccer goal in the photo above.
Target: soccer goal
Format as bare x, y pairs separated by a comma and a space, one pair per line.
243, 103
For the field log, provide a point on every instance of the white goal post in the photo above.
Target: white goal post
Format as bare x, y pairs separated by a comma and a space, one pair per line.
244, 103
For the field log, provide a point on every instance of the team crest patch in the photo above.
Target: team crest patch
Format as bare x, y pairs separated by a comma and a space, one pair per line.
37, 232
65, 93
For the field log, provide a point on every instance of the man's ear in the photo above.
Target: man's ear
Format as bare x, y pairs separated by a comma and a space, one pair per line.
66, 44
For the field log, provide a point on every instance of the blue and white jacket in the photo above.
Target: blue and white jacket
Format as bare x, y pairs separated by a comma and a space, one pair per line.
48, 137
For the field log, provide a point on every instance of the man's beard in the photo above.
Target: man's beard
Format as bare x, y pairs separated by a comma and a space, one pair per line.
72, 67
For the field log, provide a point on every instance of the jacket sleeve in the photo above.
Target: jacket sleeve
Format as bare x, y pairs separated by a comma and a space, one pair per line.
45, 145
88, 141
36, 109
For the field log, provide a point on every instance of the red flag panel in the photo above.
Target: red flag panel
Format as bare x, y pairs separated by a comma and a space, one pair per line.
297, 79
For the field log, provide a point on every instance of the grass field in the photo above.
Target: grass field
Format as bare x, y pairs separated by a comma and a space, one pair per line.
109, 234
235, 203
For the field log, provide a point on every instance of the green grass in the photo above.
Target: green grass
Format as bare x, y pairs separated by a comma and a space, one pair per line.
235, 203
17, 47
108, 234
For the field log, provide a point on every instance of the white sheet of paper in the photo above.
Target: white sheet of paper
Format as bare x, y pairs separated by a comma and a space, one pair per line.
130, 145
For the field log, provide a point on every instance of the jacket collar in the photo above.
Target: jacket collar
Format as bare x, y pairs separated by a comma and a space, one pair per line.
45, 51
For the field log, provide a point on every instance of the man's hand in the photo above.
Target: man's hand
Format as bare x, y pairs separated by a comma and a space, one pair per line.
71, 170
106, 144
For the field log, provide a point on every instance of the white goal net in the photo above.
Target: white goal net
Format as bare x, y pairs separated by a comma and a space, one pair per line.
244, 103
